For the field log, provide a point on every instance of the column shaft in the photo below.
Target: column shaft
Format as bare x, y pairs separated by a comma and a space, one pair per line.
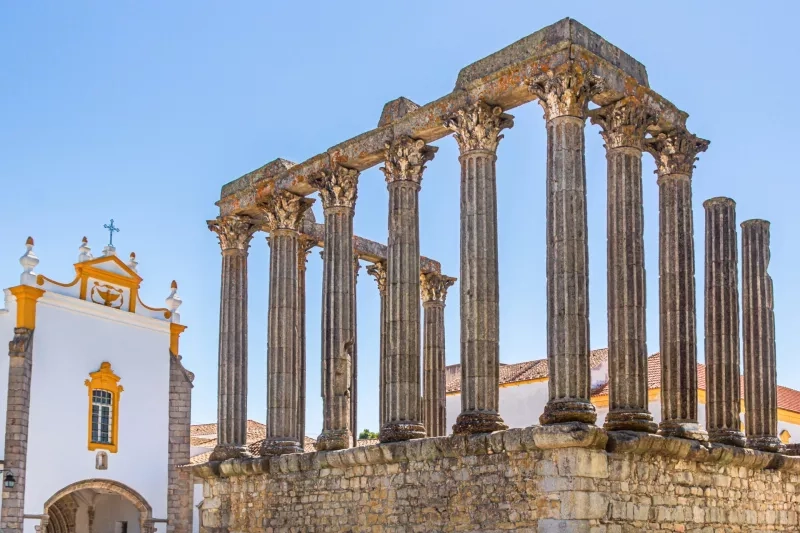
354, 377
722, 323
434, 291
378, 271
304, 246
234, 234
477, 131
758, 328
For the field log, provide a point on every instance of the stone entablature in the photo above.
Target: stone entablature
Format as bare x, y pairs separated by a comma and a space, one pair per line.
573, 477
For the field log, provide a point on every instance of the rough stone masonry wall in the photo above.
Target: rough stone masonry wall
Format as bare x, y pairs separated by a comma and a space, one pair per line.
569, 479
180, 485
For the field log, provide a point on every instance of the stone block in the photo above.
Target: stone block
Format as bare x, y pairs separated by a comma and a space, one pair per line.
549, 525
569, 435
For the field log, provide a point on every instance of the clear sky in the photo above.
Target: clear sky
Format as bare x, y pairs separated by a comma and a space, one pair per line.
141, 111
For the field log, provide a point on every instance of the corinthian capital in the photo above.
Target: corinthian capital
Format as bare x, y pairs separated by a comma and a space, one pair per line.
284, 210
338, 187
566, 93
234, 231
378, 271
624, 123
406, 158
675, 152
478, 126
433, 286
304, 246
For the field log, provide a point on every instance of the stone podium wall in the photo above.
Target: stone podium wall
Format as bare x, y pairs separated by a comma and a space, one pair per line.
569, 478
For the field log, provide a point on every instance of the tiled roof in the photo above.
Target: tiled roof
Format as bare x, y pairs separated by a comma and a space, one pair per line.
517, 372
205, 435
255, 447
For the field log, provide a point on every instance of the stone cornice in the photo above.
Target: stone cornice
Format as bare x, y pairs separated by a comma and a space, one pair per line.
500, 78
405, 159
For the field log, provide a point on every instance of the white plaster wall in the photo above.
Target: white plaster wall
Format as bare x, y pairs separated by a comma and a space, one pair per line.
109, 509
198, 497
8, 319
68, 345
520, 405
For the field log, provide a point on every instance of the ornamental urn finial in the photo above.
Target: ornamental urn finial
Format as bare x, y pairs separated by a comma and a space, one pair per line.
85, 253
174, 302
132, 262
28, 262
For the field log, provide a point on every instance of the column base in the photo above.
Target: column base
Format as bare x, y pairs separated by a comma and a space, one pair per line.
792, 449
731, 437
682, 430
279, 447
402, 430
471, 422
333, 439
568, 410
765, 444
629, 420
229, 451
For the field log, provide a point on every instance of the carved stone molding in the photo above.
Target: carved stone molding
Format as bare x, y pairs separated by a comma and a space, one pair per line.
433, 286
234, 231
624, 123
675, 152
378, 271
284, 210
21, 342
406, 158
478, 126
338, 187
566, 93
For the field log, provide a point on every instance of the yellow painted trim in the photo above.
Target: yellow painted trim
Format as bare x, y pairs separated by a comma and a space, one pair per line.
600, 401
26, 304
790, 417
105, 379
167, 312
40, 279
785, 436
175, 331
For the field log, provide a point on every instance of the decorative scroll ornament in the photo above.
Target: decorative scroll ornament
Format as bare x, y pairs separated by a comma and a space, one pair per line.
478, 126
624, 123
234, 231
675, 152
337, 187
566, 93
406, 158
378, 271
433, 286
284, 210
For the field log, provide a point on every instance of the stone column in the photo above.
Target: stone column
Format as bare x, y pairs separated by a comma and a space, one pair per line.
564, 98
405, 160
378, 271
675, 153
338, 190
20, 368
758, 331
354, 378
283, 212
722, 323
476, 129
624, 126
304, 245
434, 292
234, 234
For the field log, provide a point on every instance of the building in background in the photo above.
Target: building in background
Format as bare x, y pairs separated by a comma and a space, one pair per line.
90, 366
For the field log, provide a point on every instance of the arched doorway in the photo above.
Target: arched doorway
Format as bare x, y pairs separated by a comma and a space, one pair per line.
98, 506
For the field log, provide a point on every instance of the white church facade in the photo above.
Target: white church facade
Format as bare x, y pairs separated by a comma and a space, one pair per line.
89, 366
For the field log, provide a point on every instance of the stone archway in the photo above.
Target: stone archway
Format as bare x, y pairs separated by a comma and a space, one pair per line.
61, 507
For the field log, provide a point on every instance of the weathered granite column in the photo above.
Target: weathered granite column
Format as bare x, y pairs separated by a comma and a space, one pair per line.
304, 246
564, 97
338, 190
378, 271
476, 129
722, 323
405, 160
624, 125
283, 211
234, 234
675, 153
434, 292
354, 376
758, 331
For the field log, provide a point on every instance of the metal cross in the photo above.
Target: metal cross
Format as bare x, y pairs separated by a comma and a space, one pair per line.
111, 229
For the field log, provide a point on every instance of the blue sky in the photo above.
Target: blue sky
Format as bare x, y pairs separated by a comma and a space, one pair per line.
141, 111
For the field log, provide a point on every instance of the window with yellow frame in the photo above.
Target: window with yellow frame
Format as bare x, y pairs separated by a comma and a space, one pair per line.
104, 394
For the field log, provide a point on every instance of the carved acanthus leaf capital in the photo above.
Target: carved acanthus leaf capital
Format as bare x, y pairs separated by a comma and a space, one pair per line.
478, 126
675, 152
566, 93
624, 123
405, 159
284, 210
338, 187
234, 231
433, 286
378, 271
304, 246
